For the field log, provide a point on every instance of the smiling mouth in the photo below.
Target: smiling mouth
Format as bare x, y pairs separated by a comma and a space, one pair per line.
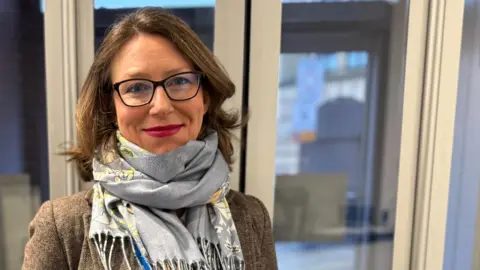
163, 131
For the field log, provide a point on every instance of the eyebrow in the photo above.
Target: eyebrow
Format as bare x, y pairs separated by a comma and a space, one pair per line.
165, 74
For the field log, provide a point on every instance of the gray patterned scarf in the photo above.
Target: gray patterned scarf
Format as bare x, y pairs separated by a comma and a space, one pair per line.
136, 196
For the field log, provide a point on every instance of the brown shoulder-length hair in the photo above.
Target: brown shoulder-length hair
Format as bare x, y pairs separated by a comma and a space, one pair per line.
95, 113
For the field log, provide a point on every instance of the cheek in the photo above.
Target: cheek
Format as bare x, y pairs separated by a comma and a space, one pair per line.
201, 109
120, 110
127, 117
194, 111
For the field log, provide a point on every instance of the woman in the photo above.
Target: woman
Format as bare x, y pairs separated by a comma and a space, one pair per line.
153, 136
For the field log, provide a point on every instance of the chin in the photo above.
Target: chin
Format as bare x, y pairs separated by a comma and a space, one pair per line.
160, 150
164, 147
161, 146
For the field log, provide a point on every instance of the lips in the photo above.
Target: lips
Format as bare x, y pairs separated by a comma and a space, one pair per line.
163, 131
163, 128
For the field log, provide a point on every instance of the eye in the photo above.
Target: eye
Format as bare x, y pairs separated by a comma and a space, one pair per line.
136, 87
179, 80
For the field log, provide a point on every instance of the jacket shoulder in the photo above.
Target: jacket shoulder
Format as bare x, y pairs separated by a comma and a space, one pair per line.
71, 206
241, 201
248, 210
254, 230
69, 212
57, 233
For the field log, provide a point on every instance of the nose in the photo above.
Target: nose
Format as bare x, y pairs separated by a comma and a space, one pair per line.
160, 104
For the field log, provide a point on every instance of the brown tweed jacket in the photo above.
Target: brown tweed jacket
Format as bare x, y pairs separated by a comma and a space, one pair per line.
59, 235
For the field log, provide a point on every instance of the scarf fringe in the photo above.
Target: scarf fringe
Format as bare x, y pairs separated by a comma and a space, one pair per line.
175, 264
105, 242
212, 254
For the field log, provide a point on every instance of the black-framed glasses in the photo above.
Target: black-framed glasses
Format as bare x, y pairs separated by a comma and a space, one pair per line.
139, 92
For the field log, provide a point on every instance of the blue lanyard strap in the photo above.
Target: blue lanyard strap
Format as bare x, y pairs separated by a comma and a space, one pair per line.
142, 260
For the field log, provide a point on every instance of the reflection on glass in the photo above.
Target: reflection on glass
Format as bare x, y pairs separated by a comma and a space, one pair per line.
199, 15
334, 204
23, 136
309, 90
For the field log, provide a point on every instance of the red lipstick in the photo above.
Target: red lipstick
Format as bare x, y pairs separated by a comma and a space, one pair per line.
163, 131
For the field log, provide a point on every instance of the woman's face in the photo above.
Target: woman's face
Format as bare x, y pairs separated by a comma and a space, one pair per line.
163, 124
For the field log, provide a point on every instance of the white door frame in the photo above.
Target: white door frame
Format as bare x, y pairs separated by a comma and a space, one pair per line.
441, 74
68, 54
229, 43
411, 119
265, 35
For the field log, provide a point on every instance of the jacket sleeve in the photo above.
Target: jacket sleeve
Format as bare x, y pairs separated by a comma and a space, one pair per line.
44, 250
268, 254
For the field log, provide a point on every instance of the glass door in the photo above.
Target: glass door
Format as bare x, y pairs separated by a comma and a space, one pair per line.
331, 122
324, 138
325, 152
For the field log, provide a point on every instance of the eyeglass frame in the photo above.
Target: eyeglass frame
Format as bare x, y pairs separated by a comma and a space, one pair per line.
156, 84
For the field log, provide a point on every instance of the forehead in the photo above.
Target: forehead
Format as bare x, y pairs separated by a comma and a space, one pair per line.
150, 57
